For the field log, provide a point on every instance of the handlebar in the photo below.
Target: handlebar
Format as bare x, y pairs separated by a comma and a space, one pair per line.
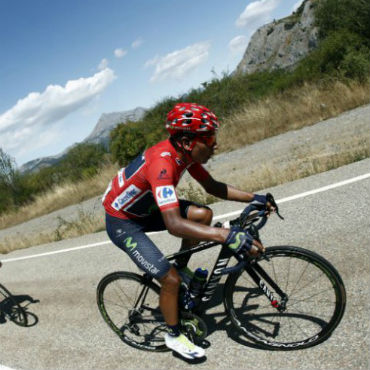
253, 212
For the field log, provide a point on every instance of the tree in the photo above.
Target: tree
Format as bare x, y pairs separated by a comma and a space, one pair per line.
7, 168
7, 176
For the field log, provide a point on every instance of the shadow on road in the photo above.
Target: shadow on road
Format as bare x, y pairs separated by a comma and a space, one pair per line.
9, 305
225, 324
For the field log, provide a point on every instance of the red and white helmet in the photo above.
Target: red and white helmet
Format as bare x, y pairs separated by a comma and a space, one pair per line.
191, 118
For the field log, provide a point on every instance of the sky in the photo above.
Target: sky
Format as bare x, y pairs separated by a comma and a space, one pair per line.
63, 63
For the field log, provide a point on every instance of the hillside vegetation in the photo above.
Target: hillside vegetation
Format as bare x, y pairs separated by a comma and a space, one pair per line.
332, 79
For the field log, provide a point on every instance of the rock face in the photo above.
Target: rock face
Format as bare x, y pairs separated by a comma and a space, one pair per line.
281, 44
108, 121
100, 135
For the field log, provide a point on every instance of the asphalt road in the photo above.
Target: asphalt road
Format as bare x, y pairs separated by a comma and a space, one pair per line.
67, 332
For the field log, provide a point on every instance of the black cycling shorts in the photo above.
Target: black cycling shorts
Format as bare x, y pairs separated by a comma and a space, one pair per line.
129, 235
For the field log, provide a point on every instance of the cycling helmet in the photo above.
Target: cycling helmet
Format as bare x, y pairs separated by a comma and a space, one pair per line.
191, 118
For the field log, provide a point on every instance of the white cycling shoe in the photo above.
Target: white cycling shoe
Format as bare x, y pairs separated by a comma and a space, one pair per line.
183, 346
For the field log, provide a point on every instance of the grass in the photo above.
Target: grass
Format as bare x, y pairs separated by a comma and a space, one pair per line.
301, 164
86, 223
291, 110
60, 197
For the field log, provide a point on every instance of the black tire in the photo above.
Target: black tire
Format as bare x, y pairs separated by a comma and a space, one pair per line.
315, 306
11, 309
137, 321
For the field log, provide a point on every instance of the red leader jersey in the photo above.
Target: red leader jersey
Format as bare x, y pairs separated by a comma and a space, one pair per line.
149, 183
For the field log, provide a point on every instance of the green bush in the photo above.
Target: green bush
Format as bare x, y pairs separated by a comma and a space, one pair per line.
127, 142
83, 160
356, 64
350, 15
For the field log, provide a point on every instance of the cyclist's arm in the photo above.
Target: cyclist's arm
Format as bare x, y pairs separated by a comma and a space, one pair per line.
183, 228
225, 191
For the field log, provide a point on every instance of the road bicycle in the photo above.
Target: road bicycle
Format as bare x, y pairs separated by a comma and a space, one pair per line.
10, 308
285, 299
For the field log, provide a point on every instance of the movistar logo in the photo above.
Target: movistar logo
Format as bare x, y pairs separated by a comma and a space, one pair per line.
129, 244
237, 242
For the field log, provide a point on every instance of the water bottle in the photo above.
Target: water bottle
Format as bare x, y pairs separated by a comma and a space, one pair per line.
197, 282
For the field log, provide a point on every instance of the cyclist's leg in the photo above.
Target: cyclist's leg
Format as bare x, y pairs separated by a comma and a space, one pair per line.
130, 236
197, 213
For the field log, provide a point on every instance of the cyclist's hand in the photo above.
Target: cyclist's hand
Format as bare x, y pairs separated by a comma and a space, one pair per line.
240, 240
261, 201
256, 249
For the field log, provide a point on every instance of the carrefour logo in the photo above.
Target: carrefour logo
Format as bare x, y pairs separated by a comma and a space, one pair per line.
165, 195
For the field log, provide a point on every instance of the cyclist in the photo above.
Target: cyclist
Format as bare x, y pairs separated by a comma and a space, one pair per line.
142, 198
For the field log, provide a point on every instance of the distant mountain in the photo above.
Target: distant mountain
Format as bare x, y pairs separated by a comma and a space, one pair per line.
100, 135
282, 43
108, 121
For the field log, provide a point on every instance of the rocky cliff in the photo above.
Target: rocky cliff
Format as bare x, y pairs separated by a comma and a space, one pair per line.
282, 43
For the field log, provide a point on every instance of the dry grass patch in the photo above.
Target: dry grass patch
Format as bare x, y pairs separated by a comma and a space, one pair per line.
301, 164
60, 197
291, 110
86, 223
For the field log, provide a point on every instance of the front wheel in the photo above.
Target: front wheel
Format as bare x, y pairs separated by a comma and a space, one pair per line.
306, 300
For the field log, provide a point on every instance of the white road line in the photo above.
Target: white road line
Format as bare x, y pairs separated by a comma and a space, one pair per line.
234, 213
305, 194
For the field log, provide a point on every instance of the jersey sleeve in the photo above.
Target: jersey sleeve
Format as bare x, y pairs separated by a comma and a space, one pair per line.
198, 172
161, 176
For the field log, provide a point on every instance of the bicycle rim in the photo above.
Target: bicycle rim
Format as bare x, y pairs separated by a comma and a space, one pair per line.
315, 305
11, 308
129, 304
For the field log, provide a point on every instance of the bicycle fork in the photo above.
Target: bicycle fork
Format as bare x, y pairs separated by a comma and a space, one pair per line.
260, 281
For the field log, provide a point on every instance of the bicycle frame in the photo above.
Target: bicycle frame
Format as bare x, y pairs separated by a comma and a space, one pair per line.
256, 272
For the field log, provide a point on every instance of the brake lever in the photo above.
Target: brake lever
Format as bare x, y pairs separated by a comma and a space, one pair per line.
280, 216
271, 200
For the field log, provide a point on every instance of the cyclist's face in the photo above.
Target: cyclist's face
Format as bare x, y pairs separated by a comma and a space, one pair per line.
204, 148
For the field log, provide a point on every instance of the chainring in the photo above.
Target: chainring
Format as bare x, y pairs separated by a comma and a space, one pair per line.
193, 326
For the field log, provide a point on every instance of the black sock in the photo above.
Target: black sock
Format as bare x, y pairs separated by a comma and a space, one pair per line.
174, 330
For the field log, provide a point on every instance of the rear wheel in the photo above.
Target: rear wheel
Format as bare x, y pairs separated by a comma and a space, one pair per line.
310, 309
11, 309
129, 304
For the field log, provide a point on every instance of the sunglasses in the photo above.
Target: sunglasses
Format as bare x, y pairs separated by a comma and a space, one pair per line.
210, 141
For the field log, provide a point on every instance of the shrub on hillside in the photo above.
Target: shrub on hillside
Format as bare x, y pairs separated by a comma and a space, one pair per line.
82, 161
127, 141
